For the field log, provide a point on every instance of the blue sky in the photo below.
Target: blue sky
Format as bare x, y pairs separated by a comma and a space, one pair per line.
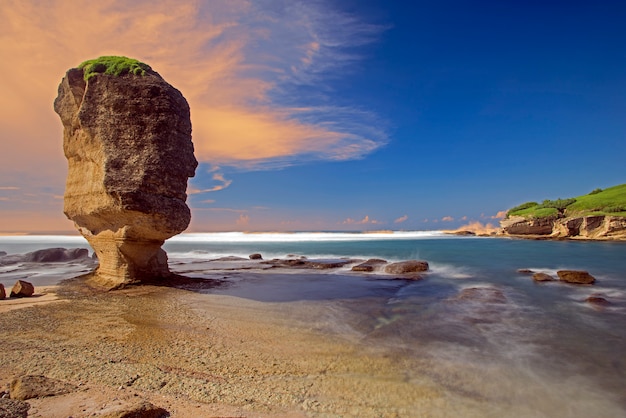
341, 115
485, 105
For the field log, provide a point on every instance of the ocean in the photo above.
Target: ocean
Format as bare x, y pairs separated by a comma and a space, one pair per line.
474, 323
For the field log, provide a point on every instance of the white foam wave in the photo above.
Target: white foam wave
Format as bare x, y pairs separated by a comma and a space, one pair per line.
450, 271
43, 239
304, 236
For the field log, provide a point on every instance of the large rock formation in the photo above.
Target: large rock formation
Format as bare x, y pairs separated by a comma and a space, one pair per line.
127, 139
601, 227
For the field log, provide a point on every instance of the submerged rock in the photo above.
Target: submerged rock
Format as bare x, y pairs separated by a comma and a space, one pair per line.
22, 289
597, 300
127, 139
575, 277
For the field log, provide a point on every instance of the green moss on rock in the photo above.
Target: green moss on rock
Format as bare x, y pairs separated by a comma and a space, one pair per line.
113, 65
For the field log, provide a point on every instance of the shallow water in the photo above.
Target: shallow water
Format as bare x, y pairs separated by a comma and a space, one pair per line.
515, 347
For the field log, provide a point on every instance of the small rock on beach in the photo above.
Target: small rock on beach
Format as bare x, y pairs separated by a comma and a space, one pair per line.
31, 386
22, 289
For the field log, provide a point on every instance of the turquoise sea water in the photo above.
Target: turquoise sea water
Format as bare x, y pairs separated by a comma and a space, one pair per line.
539, 347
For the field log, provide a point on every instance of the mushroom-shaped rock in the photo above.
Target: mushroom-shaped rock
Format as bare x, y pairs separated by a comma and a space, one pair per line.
575, 277
127, 139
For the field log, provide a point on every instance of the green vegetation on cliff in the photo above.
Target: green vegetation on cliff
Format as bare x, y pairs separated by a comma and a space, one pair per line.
611, 201
113, 65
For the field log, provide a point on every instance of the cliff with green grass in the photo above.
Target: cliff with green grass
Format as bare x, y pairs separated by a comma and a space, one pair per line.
600, 214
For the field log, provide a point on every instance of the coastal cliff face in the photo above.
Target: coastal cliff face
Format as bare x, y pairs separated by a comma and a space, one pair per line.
127, 139
601, 227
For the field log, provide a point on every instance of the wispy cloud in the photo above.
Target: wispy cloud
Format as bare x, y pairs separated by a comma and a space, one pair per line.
217, 177
401, 219
9, 188
447, 219
365, 221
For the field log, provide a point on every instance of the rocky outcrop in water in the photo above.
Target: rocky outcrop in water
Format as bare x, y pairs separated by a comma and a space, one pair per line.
127, 139
602, 227
409, 266
576, 277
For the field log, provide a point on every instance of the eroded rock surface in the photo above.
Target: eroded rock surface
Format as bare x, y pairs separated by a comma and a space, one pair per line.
127, 140
601, 227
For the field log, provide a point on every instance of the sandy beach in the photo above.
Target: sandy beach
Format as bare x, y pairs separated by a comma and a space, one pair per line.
199, 355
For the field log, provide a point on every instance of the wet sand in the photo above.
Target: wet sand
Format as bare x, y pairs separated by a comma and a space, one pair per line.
200, 355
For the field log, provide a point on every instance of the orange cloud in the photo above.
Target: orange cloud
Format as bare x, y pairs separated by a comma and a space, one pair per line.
500, 215
235, 61
447, 219
401, 219
224, 58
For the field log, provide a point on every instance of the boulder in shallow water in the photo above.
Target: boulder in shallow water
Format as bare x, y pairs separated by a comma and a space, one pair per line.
22, 289
576, 277
256, 256
543, 277
54, 255
409, 266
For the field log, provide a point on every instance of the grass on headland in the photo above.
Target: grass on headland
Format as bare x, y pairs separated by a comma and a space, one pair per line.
610, 201
113, 65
